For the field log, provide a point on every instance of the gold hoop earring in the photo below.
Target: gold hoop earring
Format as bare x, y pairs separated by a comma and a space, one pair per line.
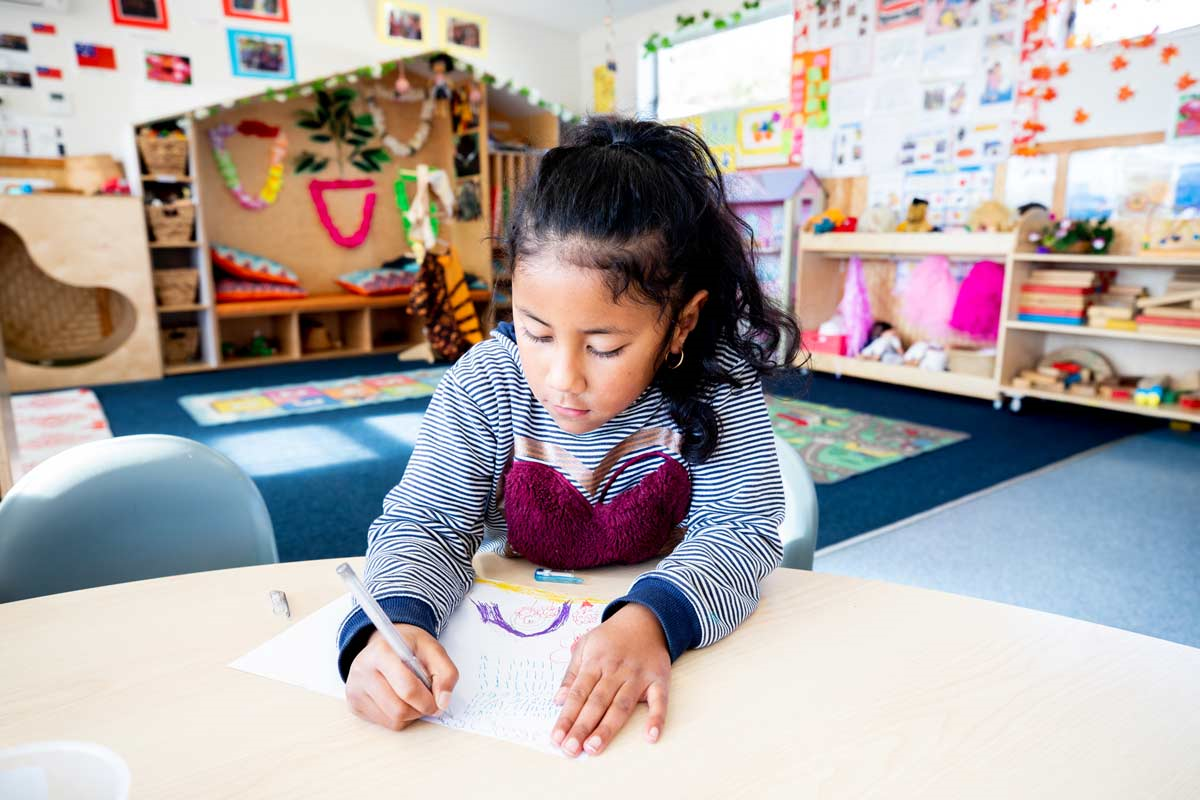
677, 364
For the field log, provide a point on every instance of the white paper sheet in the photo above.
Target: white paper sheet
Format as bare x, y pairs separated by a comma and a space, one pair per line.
511, 646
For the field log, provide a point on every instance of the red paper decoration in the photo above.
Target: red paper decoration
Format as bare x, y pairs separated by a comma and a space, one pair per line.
1119, 63
1185, 82
1169, 52
1124, 93
1081, 116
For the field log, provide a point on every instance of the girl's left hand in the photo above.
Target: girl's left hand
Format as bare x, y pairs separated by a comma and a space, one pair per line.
612, 668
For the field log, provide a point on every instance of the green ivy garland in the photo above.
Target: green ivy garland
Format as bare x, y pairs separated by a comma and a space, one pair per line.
658, 42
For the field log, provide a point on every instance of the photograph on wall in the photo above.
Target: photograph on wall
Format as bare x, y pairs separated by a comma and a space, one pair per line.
463, 32
140, 13
1187, 115
893, 14
944, 16
401, 23
169, 68
12, 79
95, 56
999, 63
267, 10
14, 41
466, 155
255, 54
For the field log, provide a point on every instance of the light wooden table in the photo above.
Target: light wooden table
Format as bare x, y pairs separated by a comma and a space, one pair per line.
836, 687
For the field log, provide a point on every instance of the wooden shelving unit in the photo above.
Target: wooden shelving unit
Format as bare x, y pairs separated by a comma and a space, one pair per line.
1020, 344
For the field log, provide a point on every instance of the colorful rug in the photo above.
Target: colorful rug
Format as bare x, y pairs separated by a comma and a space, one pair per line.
837, 443
48, 423
246, 405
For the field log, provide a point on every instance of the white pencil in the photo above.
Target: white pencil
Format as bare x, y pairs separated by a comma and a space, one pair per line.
382, 623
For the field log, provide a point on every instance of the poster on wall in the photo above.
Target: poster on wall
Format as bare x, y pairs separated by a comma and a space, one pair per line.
140, 13
1030, 179
401, 23
169, 68
264, 10
833, 22
464, 32
950, 56
951, 193
604, 88
922, 149
256, 54
848, 156
944, 16
1002, 11
892, 14
850, 60
999, 63
95, 56
815, 66
1187, 115
980, 143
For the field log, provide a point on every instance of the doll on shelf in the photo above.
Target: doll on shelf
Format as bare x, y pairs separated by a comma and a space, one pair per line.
441, 65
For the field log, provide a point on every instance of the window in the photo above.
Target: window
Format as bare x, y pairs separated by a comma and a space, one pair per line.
1102, 21
742, 66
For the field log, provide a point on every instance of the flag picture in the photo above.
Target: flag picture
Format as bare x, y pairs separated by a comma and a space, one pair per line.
95, 56
49, 72
44, 28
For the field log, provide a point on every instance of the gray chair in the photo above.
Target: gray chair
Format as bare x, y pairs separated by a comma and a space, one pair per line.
126, 509
800, 516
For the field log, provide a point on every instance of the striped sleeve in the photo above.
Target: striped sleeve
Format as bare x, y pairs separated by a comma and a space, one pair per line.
420, 548
709, 584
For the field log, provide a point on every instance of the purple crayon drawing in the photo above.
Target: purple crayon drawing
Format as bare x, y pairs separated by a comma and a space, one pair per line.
490, 612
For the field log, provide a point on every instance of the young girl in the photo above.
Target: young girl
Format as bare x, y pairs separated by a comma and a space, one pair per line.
619, 418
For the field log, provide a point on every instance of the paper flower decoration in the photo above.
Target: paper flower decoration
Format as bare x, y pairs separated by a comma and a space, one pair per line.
1081, 116
1169, 52
1185, 82
1064, 69
1119, 63
1124, 93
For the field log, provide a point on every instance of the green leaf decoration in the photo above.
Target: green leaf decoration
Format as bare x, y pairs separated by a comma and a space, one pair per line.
310, 124
366, 133
320, 165
720, 24
376, 155
344, 95
304, 161
354, 142
364, 121
366, 166
665, 42
736, 17
488, 79
323, 98
321, 137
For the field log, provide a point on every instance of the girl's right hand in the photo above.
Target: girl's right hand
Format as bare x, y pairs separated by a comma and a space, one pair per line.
382, 689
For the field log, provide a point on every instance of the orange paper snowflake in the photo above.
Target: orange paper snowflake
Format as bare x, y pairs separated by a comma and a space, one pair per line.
1169, 52
1040, 73
1049, 94
1125, 93
1063, 69
1185, 82
1119, 63
1081, 116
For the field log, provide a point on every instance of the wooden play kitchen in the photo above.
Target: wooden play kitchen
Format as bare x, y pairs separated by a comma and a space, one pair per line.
1135, 349
329, 205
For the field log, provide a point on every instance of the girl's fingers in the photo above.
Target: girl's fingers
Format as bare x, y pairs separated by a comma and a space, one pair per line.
593, 711
656, 699
572, 670
405, 684
577, 694
442, 671
614, 719
392, 711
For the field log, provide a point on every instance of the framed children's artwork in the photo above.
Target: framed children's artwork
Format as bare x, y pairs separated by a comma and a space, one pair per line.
760, 130
463, 33
169, 68
401, 23
266, 10
140, 13
255, 54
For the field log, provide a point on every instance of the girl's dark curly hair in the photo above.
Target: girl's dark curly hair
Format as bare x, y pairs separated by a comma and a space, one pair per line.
646, 203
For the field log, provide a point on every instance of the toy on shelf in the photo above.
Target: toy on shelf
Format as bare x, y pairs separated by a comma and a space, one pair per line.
833, 221
1081, 236
1075, 370
991, 216
1115, 308
926, 355
829, 338
915, 221
878, 219
1151, 390
885, 347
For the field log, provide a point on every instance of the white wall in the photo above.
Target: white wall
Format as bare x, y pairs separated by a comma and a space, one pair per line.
327, 36
1091, 83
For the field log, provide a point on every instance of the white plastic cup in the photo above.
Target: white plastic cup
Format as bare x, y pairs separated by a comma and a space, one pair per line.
62, 771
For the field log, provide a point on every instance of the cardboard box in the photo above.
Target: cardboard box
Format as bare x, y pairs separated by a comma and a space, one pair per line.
814, 342
967, 361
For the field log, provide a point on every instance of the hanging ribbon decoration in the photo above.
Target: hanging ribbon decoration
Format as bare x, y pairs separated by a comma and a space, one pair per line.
219, 136
317, 189
413, 145
420, 214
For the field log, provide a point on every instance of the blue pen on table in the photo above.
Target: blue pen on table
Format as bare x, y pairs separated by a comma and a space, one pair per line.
553, 576
382, 624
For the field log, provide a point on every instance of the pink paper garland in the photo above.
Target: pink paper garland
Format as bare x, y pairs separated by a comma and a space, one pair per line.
317, 189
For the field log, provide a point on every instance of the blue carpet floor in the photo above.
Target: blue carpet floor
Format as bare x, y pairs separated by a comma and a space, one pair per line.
324, 476
1111, 537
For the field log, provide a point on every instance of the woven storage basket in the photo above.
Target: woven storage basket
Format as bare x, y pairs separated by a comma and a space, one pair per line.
172, 223
176, 287
179, 345
164, 156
